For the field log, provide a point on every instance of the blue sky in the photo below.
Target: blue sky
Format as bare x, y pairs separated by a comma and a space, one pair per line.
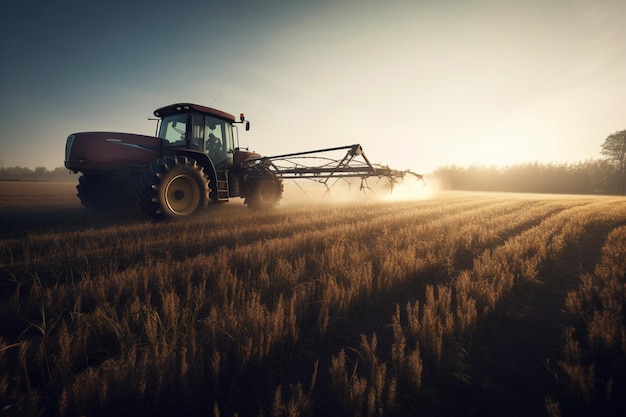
420, 84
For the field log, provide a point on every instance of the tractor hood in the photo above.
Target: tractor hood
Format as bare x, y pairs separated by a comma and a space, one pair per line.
110, 151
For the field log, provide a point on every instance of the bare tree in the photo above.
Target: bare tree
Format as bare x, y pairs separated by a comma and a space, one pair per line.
614, 149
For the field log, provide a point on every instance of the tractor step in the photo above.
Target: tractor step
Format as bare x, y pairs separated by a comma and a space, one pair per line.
222, 186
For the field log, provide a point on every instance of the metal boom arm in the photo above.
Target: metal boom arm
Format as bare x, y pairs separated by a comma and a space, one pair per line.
319, 165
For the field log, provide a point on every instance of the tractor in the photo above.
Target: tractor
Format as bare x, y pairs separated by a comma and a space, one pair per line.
192, 161
195, 159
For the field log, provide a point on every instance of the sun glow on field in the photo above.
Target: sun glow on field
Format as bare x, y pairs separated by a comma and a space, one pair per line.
301, 192
413, 190
297, 192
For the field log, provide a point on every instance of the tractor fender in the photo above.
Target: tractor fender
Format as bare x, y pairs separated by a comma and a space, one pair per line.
240, 157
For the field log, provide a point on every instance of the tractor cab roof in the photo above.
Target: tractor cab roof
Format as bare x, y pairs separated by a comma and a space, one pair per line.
185, 107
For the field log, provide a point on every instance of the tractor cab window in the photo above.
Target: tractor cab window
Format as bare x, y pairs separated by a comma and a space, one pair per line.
218, 139
173, 130
196, 142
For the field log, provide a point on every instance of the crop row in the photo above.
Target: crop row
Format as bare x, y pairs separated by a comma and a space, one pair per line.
592, 366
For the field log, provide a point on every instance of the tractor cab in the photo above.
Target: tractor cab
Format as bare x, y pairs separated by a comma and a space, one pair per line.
198, 128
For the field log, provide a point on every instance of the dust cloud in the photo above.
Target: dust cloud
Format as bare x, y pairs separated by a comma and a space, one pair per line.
354, 190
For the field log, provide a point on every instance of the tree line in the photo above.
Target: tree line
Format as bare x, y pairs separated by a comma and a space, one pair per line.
606, 176
588, 177
37, 174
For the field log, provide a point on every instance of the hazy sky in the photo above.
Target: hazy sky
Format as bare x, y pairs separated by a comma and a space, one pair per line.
420, 84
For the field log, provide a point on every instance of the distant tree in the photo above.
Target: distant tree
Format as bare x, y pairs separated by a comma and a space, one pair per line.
614, 149
16, 172
39, 174
62, 173
588, 177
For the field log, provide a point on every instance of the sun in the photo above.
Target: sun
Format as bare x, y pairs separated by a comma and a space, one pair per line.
499, 151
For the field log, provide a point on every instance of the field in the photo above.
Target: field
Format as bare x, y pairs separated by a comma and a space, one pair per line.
456, 304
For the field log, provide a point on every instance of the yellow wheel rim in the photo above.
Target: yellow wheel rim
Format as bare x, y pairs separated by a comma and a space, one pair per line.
182, 195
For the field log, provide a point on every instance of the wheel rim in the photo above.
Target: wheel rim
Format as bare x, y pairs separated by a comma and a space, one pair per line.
182, 195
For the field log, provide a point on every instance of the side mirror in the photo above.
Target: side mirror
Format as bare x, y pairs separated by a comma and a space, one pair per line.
247, 125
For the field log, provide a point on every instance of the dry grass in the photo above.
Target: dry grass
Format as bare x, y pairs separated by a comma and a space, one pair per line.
592, 367
348, 309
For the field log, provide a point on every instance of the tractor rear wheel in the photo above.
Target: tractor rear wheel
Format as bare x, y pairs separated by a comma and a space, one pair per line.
263, 189
175, 186
108, 191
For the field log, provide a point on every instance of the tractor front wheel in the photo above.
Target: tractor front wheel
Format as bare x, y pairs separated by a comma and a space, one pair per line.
175, 186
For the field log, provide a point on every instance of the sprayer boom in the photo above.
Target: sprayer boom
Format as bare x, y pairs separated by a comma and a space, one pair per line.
320, 165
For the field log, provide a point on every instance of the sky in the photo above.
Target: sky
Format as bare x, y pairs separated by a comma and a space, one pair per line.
419, 84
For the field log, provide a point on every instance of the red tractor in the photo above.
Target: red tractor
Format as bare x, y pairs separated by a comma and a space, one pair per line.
192, 161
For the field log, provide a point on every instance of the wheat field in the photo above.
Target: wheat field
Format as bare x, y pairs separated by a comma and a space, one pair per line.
455, 304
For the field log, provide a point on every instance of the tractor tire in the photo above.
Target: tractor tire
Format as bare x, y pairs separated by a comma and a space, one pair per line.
262, 189
111, 191
175, 186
